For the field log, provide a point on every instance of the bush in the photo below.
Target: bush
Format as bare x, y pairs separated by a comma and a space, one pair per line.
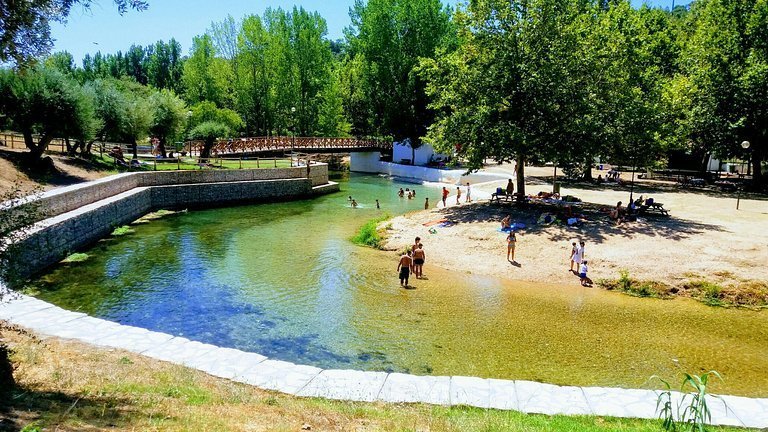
369, 235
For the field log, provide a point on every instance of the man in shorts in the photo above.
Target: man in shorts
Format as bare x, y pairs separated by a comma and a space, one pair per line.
404, 268
418, 261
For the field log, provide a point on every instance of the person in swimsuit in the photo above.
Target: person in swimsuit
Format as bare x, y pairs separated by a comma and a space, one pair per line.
574, 249
506, 222
458, 195
418, 261
445, 196
354, 203
377, 204
401, 193
511, 243
415, 244
426, 203
469, 193
404, 268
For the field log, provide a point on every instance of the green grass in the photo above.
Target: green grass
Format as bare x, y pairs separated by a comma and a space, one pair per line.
121, 231
369, 235
76, 258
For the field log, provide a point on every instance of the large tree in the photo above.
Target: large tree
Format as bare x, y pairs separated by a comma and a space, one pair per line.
169, 114
726, 62
43, 104
387, 38
25, 31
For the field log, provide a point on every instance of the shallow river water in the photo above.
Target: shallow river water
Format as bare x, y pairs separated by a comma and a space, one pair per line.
284, 280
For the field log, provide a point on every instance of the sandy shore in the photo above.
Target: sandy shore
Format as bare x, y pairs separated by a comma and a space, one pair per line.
704, 236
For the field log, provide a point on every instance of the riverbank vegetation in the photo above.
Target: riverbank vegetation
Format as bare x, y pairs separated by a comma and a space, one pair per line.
370, 234
67, 385
723, 290
565, 82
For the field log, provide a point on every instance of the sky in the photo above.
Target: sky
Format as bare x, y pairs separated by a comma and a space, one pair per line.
101, 28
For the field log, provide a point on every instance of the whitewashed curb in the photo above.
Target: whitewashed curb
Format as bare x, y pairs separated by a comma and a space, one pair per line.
309, 381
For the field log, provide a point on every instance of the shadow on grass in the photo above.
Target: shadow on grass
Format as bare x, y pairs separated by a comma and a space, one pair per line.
24, 407
597, 228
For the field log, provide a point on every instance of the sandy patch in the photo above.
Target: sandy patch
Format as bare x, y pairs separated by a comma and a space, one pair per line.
704, 235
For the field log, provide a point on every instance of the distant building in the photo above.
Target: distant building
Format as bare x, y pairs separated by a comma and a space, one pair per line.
403, 153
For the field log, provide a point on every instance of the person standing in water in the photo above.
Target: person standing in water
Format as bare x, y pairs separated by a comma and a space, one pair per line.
426, 203
404, 268
354, 203
377, 205
418, 261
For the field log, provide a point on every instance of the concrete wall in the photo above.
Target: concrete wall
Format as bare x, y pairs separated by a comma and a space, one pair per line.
368, 162
87, 212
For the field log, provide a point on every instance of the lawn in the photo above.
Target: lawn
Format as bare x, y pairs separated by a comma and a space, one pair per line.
66, 385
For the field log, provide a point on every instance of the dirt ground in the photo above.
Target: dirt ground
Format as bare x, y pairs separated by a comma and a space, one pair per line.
15, 176
705, 236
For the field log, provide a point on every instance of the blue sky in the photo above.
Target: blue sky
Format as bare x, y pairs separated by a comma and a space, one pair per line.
102, 29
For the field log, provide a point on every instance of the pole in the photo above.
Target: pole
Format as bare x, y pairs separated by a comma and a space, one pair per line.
738, 198
554, 180
632, 184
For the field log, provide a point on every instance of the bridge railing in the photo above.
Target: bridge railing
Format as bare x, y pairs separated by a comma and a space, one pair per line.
287, 143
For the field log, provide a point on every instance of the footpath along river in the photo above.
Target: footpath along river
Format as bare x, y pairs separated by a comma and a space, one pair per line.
284, 280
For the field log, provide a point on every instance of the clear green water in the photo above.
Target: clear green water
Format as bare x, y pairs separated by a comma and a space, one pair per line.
283, 280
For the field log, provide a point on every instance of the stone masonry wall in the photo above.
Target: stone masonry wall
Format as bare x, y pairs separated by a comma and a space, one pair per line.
62, 200
90, 212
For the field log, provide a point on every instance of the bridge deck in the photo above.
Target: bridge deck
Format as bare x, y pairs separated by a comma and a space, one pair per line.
302, 144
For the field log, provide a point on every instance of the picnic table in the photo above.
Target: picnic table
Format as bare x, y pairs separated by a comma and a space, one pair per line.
501, 195
653, 207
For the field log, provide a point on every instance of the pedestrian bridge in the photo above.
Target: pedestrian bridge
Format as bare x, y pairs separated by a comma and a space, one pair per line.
276, 144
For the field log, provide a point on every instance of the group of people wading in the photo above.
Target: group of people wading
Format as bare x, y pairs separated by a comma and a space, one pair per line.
412, 261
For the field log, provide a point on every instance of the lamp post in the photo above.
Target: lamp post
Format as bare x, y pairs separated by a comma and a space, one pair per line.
293, 138
189, 124
745, 145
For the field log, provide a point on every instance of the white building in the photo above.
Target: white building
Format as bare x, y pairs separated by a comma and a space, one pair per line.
403, 153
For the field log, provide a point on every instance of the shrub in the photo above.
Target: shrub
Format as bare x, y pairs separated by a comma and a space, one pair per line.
369, 235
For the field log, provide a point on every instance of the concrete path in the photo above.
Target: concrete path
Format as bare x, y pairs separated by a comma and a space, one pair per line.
250, 368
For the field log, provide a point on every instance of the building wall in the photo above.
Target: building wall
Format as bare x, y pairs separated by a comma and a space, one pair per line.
368, 162
422, 154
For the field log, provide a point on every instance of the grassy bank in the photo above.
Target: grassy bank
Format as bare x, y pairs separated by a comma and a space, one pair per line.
65, 385
369, 234
722, 289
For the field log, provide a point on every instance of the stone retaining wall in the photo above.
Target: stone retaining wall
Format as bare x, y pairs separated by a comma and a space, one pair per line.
81, 215
61, 200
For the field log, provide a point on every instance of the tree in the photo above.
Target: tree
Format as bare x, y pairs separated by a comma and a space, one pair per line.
206, 77
43, 102
726, 61
25, 31
208, 132
168, 117
389, 37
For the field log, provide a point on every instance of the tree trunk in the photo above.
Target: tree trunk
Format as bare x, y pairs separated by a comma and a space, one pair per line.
207, 146
7, 382
588, 169
71, 151
520, 172
134, 148
757, 174
36, 150
161, 147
